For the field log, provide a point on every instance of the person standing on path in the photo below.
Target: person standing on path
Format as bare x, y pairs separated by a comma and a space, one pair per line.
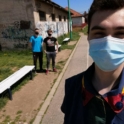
96, 96
49, 48
36, 43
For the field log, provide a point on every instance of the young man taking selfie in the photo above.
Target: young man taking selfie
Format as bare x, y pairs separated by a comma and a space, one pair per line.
96, 96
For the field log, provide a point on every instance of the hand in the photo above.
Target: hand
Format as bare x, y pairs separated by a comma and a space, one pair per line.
56, 51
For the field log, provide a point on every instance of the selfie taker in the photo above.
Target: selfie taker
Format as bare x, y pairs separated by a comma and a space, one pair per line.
96, 96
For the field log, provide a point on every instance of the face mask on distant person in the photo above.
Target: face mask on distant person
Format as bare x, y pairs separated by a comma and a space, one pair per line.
49, 34
107, 52
36, 33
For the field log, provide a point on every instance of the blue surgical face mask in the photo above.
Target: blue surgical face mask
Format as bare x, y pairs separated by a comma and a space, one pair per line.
107, 52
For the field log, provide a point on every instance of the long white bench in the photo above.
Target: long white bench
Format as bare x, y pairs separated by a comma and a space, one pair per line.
59, 47
12, 79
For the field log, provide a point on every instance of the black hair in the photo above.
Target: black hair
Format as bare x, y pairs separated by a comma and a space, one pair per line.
36, 29
49, 30
103, 5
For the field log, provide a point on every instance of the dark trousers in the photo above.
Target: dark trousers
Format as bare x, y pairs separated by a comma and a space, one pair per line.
38, 55
51, 55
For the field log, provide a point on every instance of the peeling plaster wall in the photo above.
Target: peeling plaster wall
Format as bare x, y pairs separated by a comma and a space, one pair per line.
58, 28
16, 23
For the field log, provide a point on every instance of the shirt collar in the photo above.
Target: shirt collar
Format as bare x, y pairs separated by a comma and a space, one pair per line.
115, 98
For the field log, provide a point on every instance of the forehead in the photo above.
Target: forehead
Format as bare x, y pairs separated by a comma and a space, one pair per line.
108, 19
50, 31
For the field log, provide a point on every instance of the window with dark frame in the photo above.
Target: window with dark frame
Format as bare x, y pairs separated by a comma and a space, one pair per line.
60, 18
42, 15
53, 17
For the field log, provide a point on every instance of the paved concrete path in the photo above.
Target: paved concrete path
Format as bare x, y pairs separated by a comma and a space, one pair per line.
79, 62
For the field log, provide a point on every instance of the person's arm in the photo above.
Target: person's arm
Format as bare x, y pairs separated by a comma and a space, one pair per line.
42, 40
73, 89
63, 106
44, 47
30, 43
57, 46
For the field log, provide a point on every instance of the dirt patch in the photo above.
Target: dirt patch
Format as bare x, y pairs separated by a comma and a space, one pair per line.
14, 69
63, 55
72, 42
27, 101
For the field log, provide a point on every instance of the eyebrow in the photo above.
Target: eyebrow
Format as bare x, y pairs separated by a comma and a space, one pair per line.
102, 28
119, 28
97, 28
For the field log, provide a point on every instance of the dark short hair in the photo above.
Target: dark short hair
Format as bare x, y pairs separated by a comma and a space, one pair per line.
36, 29
49, 30
102, 5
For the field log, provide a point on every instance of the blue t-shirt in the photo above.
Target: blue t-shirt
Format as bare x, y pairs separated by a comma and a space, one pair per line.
36, 43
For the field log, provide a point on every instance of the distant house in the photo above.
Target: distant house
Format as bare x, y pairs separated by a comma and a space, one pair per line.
78, 19
85, 16
20, 17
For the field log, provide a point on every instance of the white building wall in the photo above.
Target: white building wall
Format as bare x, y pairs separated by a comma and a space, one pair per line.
78, 21
58, 28
83, 20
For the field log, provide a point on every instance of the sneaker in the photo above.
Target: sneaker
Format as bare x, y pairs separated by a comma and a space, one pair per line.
47, 71
54, 70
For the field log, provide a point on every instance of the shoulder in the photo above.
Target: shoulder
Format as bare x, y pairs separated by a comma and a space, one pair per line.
40, 36
73, 86
45, 39
32, 37
73, 82
53, 38
76, 80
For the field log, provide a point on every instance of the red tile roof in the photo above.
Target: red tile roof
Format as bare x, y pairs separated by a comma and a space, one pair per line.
74, 13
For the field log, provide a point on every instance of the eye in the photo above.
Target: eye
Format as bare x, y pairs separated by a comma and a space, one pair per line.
119, 35
99, 34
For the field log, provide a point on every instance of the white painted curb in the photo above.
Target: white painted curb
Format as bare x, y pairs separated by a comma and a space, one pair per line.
53, 90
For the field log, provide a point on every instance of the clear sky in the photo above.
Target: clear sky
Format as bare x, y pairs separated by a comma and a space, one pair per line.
78, 5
